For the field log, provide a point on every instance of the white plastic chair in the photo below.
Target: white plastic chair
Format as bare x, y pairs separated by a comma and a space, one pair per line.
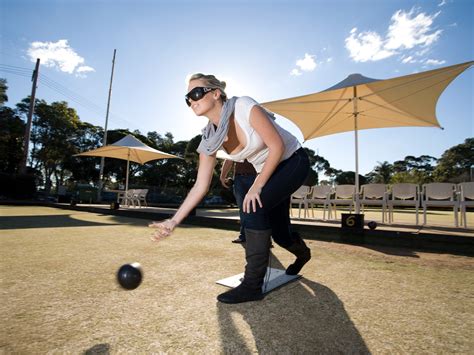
466, 199
343, 195
128, 198
374, 195
120, 196
300, 197
140, 197
321, 196
440, 194
403, 195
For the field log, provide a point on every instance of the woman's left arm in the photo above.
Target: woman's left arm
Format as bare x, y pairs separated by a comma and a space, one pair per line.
272, 139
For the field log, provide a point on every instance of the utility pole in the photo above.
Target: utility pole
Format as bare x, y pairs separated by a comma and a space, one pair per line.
26, 142
104, 142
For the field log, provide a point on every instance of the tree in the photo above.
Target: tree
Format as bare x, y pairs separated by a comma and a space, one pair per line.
12, 130
321, 164
455, 163
348, 177
53, 134
164, 144
315, 168
421, 163
172, 177
3, 91
167, 174
318, 165
164, 172
381, 173
414, 170
411, 177
84, 169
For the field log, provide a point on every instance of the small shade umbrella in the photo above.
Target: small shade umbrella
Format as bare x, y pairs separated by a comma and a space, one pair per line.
359, 102
130, 149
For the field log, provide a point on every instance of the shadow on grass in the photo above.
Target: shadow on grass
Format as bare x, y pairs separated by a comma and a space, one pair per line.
299, 317
99, 349
393, 251
49, 221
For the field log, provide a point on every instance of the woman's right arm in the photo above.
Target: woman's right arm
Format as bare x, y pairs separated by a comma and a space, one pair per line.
195, 195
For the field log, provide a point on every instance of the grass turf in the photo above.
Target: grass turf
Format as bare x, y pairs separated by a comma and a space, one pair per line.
59, 293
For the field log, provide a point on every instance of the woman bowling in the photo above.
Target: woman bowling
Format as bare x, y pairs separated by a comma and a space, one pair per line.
244, 130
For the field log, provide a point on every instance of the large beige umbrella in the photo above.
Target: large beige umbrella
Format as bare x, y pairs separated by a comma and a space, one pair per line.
359, 102
130, 149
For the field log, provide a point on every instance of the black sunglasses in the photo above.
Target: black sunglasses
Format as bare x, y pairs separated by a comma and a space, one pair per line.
196, 94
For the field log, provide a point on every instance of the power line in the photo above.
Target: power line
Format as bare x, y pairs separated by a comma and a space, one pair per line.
64, 91
71, 96
16, 71
51, 85
12, 67
79, 99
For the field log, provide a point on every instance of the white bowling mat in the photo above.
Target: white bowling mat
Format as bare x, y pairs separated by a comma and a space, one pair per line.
273, 278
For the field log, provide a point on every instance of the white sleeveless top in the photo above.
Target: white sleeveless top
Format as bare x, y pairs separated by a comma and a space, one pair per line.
255, 151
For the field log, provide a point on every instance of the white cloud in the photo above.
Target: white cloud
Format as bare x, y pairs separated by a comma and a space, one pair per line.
295, 72
434, 62
407, 31
422, 52
59, 55
329, 60
408, 59
366, 46
442, 3
84, 69
307, 63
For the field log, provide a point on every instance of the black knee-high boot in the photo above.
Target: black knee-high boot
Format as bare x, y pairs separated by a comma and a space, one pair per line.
257, 253
302, 253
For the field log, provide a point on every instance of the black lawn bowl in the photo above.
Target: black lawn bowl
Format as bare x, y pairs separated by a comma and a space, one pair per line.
130, 276
372, 225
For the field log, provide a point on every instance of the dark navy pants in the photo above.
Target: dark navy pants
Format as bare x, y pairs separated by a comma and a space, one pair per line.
242, 184
275, 196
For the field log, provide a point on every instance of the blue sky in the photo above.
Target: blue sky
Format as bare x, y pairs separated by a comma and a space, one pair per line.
265, 49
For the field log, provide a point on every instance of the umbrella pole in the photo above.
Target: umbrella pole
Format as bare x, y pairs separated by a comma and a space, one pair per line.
356, 142
126, 175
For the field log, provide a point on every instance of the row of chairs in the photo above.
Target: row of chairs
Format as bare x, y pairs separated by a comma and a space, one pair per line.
459, 197
133, 197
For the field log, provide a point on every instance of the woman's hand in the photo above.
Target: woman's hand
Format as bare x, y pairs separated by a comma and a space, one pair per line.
251, 200
226, 167
227, 182
164, 229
